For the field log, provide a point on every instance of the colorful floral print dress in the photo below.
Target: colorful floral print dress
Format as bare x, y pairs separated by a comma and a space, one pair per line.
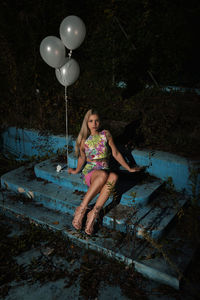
96, 148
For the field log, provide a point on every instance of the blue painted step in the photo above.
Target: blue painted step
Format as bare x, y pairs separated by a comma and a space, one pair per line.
155, 220
59, 198
137, 194
23, 181
72, 160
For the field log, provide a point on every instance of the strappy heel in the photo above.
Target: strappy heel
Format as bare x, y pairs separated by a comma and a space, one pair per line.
91, 217
78, 217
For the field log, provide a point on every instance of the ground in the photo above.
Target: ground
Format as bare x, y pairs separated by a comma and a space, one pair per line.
39, 264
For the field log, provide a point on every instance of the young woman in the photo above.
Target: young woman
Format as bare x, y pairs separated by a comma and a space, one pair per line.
92, 149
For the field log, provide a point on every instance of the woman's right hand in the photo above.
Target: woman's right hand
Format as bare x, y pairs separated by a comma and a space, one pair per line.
72, 171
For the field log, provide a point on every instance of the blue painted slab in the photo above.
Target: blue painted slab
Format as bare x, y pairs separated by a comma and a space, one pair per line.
164, 165
156, 268
72, 161
49, 194
61, 198
155, 220
26, 143
47, 170
137, 195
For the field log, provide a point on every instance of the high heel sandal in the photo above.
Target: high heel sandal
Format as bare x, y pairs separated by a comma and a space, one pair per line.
91, 217
78, 217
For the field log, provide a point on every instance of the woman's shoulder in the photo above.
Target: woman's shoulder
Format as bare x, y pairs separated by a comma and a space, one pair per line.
106, 133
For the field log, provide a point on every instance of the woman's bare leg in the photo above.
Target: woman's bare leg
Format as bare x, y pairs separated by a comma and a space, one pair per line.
106, 189
98, 180
104, 195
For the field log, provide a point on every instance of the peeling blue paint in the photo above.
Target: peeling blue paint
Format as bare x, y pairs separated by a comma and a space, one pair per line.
26, 143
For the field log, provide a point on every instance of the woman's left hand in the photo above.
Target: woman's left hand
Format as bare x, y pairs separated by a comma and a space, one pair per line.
135, 169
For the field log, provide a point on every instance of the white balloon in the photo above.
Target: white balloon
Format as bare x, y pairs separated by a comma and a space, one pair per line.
72, 32
52, 51
68, 73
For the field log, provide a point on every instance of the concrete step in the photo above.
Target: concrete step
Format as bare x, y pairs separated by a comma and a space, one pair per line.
155, 217
129, 189
72, 160
139, 254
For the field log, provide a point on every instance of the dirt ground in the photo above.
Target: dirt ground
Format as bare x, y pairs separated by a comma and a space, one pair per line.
38, 264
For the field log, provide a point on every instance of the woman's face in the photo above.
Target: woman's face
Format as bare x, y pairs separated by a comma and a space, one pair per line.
93, 123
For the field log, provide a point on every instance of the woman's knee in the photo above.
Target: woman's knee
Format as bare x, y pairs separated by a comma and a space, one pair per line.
100, 176
112, 178
103, 176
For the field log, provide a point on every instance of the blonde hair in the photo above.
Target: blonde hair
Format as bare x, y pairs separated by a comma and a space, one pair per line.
84, 132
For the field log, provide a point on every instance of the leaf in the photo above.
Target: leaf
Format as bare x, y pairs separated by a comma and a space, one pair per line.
55, 223
48, 251
21, 190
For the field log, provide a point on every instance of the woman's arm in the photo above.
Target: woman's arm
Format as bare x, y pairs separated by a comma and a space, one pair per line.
81, 161
117, 155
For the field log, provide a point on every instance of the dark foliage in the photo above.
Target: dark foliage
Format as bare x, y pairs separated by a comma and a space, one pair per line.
126, 41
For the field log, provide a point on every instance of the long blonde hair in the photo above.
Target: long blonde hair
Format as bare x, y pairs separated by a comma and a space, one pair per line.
84, 132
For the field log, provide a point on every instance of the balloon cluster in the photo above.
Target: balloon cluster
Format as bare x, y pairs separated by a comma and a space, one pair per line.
52, 49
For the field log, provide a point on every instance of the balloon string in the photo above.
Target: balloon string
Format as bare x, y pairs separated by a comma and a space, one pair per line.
67, 137
70, 54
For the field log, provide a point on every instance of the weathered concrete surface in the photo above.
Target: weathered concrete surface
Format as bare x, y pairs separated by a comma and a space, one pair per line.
25, 143
165, 165
133, 192
119, 247
65, 197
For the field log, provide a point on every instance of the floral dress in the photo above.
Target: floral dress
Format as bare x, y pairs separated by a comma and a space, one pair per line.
96, 148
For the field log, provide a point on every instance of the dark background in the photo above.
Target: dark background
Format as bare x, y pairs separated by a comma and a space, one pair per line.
165, 35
